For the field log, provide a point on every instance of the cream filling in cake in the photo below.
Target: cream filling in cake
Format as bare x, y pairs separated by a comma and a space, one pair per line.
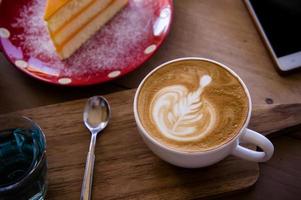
76, 21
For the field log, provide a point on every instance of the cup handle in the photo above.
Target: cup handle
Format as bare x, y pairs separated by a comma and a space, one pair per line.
252, 137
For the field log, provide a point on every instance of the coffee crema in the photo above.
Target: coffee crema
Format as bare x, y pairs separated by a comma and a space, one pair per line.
192, 105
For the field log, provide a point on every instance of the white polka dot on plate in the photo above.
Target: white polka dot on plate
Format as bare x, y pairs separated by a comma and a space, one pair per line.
64, 81
150, 49
114, 74
21, 63
165, 13
4, 33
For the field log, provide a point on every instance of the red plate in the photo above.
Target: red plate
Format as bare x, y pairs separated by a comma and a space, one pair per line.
118, 48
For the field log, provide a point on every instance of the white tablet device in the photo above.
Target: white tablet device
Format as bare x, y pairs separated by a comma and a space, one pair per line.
279, 22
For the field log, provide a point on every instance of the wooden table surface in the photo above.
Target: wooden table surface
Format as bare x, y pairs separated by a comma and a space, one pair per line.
216, 29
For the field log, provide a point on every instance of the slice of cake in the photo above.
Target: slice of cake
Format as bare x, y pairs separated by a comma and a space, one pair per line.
72, 22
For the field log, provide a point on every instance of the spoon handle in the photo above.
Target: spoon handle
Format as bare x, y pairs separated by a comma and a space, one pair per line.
88, 177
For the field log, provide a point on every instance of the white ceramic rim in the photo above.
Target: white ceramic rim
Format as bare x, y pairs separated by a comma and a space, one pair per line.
145, 133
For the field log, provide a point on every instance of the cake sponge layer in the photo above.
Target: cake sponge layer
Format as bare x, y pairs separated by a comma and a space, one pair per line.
64, 13
73, 26
76, 21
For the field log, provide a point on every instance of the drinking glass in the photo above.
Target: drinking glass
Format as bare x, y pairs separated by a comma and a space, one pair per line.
23, 165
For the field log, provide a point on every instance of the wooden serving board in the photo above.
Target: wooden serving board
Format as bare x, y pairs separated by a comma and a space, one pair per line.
125, 168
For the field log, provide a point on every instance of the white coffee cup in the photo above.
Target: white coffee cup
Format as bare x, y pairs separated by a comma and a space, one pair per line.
209, 157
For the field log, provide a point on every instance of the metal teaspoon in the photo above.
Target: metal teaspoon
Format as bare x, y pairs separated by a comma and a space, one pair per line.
96, 116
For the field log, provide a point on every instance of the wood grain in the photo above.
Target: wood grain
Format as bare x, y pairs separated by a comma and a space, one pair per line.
124, 167
276, 118
223, 30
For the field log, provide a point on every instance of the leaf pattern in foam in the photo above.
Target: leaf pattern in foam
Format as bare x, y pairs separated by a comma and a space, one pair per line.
177, 112
187, 109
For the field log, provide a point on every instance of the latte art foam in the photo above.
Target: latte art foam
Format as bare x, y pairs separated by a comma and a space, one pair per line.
177, 112
192, 105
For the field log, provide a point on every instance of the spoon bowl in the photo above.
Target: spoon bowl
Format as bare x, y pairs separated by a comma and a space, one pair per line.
96, 114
